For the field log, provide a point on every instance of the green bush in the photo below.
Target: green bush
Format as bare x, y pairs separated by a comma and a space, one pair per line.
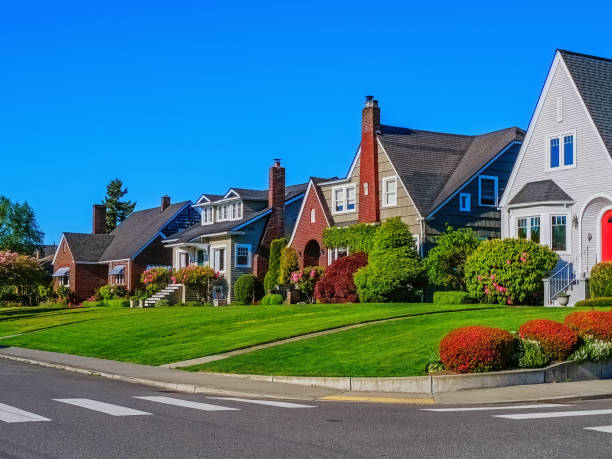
445, 263
271, 279
594, 302
530, 355
111, 292
162, 303
272, 299
289, 263
358, 237
394, 271
451, 298
247, 289
93, 304
508, 271
601, 280
118, 303
594, 350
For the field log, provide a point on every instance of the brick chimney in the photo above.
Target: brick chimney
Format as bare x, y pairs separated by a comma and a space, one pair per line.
99, 219
165, 202
369, 194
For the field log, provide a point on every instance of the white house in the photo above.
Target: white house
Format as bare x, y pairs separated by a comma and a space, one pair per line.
560, 190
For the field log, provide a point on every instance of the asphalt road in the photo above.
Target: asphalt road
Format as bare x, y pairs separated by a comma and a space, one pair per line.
52, 413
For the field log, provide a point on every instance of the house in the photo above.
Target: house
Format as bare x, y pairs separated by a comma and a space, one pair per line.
560, 191
235, 231
85, 261
428, 179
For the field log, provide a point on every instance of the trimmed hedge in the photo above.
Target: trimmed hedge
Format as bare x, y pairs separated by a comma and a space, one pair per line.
601, 280
557, 340
477, 349
248, 289
337, 284
451, 298
121, 303
593, 302
93, 304
272, 299
596, 324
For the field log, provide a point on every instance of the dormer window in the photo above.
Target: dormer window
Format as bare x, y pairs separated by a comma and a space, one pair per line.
236, 210
207, 216
230, 212
561, 151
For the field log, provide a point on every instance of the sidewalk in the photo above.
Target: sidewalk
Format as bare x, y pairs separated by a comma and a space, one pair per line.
263, 387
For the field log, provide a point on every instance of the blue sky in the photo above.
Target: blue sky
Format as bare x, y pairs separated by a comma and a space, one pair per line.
187, 97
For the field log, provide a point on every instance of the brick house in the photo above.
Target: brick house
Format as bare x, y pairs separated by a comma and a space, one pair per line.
428, 179
85, 261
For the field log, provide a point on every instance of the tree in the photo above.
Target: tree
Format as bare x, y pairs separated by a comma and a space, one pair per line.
20, 277
445, 263
116, 209
19, 230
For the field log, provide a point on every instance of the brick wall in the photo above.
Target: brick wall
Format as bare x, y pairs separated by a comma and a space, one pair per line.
307, 230
87, 279
369, 211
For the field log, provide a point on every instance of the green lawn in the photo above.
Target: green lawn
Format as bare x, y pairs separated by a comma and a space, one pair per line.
163, 335
398, 348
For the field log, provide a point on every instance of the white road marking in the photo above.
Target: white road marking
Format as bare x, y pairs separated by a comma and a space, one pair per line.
188, 404
265, 402
554, 414
11, 414
108, 408
606, 429
491, 408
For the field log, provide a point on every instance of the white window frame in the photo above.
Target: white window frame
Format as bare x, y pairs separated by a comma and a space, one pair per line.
118, 279
528, 226
386, 202
64, 281
213, 249
249, 249
568, 231
208, 215
332, 254
561, 136
345, 200
467, 208
313, 215
496, 180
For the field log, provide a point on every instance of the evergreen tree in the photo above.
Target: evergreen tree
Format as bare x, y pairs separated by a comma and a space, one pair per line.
116, 209
19, 230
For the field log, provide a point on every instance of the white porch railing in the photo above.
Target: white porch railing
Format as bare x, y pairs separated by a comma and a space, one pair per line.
562, 280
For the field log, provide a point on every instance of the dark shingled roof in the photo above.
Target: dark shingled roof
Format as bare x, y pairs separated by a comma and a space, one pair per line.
87, 247
542, 191
137, 230
433, 165
593, 78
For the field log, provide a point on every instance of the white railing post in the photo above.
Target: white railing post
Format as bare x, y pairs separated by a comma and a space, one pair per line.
546, 283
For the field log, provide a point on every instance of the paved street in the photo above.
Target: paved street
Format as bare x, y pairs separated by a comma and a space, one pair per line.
52, 413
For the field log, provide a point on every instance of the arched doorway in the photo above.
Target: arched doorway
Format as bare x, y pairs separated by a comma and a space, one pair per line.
606, 236
312, 252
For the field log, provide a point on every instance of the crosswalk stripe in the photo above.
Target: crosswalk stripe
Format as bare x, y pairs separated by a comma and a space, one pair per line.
491, 408
265, 402
11, 414
554, 414
188, 404
102, 407
606, 429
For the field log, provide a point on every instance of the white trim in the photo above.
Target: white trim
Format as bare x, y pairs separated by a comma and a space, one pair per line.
345, 199
242, 225
561, 136
496, 180
540, 203
249, 248
226, 195
467, 208
581, 218
313, 215
384, 195
211, 257
332, 252
568, 231
63, 238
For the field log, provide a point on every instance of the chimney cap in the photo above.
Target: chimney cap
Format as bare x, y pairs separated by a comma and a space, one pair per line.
277, 162
369, 98
371, 102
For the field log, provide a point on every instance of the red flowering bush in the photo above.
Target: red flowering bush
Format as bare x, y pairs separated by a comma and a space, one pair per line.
337, 285
597, 324
477, 349
557, 341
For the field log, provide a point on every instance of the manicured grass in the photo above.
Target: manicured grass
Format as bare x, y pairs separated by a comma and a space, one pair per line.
163, 335
397, 348
26, 319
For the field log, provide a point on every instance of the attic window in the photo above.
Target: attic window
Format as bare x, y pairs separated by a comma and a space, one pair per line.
389, 192
465, 202
487, 190
313, 215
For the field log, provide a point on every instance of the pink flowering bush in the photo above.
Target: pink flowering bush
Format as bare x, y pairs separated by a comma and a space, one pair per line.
200, 279
508, 271
305, 280
155, 279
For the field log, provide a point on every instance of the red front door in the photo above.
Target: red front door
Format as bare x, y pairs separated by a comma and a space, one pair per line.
606, 236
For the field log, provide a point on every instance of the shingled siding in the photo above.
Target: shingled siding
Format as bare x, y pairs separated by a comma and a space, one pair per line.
291, 214
250, 207
187, 217
485, 220
252, 236
347, 218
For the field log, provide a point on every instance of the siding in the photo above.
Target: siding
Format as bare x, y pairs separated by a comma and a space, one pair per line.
291, 214
252, 236
189, 216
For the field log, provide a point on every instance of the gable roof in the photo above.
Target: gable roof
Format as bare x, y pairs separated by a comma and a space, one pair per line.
313, 185
541, 191
138, 230
87, 248
433, 165
593, 78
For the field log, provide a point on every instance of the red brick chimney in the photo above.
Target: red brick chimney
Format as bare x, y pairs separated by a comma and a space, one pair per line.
369, 197
165, 202
99, 219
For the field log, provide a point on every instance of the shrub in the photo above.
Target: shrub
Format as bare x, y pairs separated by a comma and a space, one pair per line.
594, 350
530, 355
271, 279
477, 349
337, 284
288, 264
596, 324
358, 237
200, 279
248, 289
445, 263
306, 279
65, 295
118, 303
557, 341
593, 302
272, 299
93, 304
508, 271
155, 279
394, 271
451, 298
111, 292
162, 304
601, 280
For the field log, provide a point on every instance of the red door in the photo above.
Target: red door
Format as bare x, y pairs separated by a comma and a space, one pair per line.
606, 237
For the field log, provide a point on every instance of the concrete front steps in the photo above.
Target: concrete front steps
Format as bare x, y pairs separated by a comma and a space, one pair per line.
167, 293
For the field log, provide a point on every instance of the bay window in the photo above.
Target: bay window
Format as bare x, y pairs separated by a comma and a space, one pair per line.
528, 228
